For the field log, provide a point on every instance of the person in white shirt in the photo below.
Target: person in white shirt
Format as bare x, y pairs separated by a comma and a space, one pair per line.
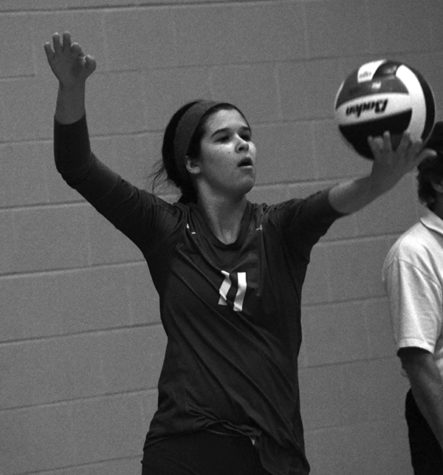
413, 276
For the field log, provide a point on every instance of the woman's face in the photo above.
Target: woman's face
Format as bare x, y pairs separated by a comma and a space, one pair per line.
226, 163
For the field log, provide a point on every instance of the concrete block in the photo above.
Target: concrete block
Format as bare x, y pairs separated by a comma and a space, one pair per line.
343, 228
114, 103
66, 5
338, 28
399, 26
141, 38
8, 247
27, 108
321, 396
132, 358
335, 333
149, 406
429, 65
50, 238
23, 173
111, 467
308, 89
435, 12
143, 298
131, 156
380, 333
50, 371
64, 302
37, 438
93, 299
379, 447
252, 87
274, 32
325, 451
374, 391
107, 244
393, 212
109, 427
284, 153
17, 56
203, 34
217, 34
317, 286
166, 90
354, 268
334, 158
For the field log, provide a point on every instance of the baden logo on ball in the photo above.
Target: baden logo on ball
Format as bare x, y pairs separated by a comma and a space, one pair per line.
383, 95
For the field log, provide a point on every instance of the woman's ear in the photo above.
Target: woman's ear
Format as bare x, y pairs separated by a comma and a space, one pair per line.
192, 165
438, 186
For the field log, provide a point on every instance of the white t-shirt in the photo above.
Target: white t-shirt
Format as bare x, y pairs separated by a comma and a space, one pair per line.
413, 276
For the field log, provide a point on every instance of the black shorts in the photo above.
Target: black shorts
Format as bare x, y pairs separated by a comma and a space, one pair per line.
202, 453
426, 454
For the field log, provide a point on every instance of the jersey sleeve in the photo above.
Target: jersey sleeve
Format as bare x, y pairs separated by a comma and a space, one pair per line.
141, 216
304, 221
415, 303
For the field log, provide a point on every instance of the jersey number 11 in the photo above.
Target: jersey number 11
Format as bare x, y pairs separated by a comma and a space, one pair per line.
237, 280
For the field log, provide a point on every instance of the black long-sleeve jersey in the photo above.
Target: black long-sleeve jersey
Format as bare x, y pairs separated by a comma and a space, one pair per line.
231, 312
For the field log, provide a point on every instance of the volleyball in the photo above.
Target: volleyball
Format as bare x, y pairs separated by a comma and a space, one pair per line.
381, 96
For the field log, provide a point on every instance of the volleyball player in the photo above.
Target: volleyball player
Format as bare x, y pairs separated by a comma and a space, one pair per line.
229, 274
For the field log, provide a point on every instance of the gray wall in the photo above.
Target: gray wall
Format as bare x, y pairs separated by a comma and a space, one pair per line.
80, 341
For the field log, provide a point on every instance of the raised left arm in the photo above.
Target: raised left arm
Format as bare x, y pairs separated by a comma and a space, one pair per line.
389, 166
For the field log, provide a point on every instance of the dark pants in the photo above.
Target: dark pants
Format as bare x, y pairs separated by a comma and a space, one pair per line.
202, 453
426, 454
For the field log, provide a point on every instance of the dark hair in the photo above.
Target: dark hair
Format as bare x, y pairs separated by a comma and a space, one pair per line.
430, 170
167, 168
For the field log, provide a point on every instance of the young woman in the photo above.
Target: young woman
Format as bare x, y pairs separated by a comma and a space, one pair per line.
229, 274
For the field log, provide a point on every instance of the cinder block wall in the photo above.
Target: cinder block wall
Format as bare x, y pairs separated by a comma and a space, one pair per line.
80, 341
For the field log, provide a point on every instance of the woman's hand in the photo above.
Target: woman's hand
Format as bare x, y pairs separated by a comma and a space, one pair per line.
71, 67
390, 165
68, 62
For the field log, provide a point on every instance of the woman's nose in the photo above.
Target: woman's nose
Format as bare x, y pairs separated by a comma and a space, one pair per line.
242, 144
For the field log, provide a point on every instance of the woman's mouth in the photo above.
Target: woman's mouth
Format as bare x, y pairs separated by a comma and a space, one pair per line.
246, 162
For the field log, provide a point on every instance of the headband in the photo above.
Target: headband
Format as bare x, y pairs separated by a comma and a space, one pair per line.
185, 130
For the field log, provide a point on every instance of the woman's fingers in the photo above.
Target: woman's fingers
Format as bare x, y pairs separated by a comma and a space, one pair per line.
66, 41
67, 60
57, 43
90, 63
382, 145
62, 45
387, 143
405, 143
76, 49
49, 51
376, 145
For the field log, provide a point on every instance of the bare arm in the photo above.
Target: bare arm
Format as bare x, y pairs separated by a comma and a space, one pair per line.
71, 67
389, 166
426, 385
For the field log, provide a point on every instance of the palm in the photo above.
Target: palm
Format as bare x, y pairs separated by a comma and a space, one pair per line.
67, 61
